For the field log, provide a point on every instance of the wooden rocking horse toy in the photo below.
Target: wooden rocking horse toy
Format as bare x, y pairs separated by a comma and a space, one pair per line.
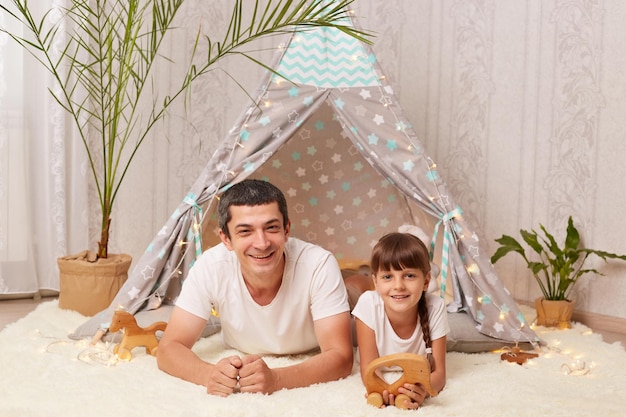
415, 369
134, 335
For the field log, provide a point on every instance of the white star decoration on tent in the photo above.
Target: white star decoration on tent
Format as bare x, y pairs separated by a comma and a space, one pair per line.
133, 293
147, 272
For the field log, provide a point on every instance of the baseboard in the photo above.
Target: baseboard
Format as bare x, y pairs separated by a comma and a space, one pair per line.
600, 321
35, 296
596, 321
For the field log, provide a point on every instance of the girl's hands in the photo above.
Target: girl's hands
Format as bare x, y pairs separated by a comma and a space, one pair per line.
416, 393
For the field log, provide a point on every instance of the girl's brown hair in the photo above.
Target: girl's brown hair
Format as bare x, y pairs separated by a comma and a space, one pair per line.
401, 251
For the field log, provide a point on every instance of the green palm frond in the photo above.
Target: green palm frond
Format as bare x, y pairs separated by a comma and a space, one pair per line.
105, 66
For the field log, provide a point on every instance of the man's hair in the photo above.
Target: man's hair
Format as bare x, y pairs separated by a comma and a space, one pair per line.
250, 192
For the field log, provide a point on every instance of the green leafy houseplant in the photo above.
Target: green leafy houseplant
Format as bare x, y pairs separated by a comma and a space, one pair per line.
559, 267
102, 55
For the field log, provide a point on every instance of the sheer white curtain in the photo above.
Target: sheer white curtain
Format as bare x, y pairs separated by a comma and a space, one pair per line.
43, 191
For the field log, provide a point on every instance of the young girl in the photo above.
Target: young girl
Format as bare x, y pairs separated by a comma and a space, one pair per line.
400, 316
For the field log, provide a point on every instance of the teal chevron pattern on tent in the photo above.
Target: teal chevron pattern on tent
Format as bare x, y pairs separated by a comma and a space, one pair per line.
328, 58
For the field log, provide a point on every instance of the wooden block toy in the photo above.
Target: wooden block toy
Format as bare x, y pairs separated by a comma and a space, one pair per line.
415, 369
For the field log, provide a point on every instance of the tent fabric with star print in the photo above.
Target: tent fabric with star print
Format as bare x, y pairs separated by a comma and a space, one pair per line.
330, 133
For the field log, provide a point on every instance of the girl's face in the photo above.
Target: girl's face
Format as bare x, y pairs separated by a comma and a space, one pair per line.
401, 290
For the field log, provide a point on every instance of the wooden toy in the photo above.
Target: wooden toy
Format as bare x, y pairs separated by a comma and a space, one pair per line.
134, 335
415, 369
517, 355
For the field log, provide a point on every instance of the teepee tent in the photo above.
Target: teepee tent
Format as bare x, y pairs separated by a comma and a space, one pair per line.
330, 133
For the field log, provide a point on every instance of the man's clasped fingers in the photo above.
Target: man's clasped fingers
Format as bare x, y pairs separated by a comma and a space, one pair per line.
256, 376
224, 376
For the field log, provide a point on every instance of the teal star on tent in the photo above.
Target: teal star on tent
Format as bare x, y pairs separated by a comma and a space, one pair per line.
308, 100
295, 156
345, 186
294, 91
244, 135
392, 145
505, 308
431, 175
339, 103
401, 126
370, 230
265, 121
319, 125
408, 166
248, 166
480, 315
521, 318
372, 139
313, 201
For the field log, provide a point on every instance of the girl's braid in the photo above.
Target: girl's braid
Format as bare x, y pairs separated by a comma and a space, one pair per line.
422, 311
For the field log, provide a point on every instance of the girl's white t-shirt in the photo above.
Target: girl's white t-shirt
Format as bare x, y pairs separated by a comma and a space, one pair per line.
370, 309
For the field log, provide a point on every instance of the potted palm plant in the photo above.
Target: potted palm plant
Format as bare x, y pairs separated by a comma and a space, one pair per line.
557, 269
102, 55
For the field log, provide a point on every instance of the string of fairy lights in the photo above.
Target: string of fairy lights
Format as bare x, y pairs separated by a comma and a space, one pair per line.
438, 201
101, 353
572, 362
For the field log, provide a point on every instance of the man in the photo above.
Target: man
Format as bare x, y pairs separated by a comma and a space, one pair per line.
273, 294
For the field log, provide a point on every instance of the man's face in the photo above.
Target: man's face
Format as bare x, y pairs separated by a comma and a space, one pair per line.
258, 238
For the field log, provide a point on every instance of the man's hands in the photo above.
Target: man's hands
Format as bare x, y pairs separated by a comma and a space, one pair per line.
223, 376
256, 376
250, 374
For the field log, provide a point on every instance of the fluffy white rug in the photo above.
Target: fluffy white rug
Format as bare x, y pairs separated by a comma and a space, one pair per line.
42, 373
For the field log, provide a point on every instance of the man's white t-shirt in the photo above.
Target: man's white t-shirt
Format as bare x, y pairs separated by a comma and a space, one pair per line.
312, 289
370, 309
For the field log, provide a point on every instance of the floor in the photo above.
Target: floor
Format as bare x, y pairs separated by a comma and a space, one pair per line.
13, 310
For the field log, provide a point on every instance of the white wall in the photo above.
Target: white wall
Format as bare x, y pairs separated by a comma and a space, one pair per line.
521, 103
